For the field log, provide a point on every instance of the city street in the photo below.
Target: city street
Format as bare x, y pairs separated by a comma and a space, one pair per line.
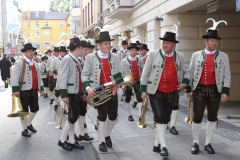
129, 141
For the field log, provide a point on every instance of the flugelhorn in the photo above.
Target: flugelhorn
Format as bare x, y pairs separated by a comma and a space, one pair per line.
141, 123
188, 119
61, 113
17, 109
104, 93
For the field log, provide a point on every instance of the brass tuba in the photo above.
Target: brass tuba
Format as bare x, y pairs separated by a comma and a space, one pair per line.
141, 123
188, 119
17, 109
60, 113
104, 93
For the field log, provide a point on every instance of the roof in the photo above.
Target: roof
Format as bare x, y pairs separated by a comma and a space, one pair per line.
42, 15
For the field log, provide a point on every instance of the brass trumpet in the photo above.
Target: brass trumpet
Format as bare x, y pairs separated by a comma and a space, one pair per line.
188, 119
141, 123
61, 113
17, 109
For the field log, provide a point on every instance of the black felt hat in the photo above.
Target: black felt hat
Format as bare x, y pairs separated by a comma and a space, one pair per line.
133, 45
114, 50
90, 45
49, 50
28, 46
211, 34
56, 49
138, 43
44, 57
63, 49
144, 46
75, 42
169, 36
104, 36
124, 42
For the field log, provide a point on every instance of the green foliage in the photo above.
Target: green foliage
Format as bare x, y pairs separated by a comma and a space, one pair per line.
59, 6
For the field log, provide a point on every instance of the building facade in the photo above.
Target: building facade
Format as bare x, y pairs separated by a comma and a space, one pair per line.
45, 28
75, 13
1, 31
149, 18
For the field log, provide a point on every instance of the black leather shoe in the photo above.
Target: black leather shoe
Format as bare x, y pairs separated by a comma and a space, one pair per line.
25, 133
65, 111
164, 152
122, 98
51, 101
102, 147
157, 149
86, 137
55, 108
45, 95
195, 148
85, 125
96, 127
134, 104
76, 145
173, 131
6, 85
208, 148
32, 129
130, 118
65, 145
108, 142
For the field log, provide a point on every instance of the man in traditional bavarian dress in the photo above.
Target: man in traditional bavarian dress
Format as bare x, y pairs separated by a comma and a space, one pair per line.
210, 85
49, 53
91, 47
68, 83
98, 68
134, 65
51, 80
165, 75
54, 68
43, 70
143, 55
28, 92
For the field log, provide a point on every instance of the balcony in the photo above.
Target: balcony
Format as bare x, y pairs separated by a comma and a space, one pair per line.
76, 15
121, 9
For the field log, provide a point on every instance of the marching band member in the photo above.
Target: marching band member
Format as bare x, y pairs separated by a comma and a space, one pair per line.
35, 57
54, 68
43, 71
49, 53
132, 64
210, 84
31, 83
143, 55
165, 75
98, 68
91, 47
69, 87
52, 85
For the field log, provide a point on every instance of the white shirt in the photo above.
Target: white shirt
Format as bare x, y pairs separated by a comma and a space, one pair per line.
102, 55
29, 60
209, 52
167, 55
124, 50
132, 58
143, 56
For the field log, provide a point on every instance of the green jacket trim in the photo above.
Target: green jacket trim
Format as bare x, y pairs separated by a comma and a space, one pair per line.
70, 84
41, 88
63, 93
226, 90
85, 84
55, 72
189, 89
143, 88
186, 81
15, 88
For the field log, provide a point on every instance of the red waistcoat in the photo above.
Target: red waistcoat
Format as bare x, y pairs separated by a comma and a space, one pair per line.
34, 78
105, 71
135, 70
208, 71
168, 82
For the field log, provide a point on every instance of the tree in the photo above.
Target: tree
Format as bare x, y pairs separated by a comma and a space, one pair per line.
59, 6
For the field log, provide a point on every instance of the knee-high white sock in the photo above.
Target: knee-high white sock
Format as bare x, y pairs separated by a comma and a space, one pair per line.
110, 125
85, 119
101, 131
30, 118
66, 129
156, 141
56, 100
128, 108
52, 95
161, 128
45, 90
196, 129
211, 126
96, 115
23, 121
81, 125
71, 134
174, 116
139, 106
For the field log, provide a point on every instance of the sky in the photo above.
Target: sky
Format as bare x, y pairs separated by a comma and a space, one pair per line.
34, 5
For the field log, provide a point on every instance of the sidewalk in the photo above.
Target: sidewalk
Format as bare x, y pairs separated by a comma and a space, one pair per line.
133, 143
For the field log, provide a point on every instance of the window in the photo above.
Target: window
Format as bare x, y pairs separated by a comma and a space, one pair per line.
28, 24
61, 24
36, 14
88, 14
37, 23
38, 46
46, 24
46, 46
83, 20
91, 11
37, 34
46, 33
76, 3
85, 17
